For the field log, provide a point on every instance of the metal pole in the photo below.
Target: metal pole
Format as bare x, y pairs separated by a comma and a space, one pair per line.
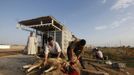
54, 35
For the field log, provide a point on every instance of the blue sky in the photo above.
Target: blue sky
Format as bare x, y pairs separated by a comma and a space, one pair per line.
100, 22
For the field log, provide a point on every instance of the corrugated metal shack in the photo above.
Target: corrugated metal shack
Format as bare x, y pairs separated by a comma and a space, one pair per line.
48, 26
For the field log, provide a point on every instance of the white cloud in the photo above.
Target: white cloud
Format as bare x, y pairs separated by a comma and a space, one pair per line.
104, 1
122, 4
115, 24
120, 22
132, 28
100, 27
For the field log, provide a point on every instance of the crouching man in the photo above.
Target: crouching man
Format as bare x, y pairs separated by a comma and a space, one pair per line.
52, 50
76, 47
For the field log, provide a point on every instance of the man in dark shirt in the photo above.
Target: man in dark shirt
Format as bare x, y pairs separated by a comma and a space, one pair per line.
76, 47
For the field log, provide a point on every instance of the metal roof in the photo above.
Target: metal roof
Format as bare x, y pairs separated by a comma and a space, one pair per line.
45, 23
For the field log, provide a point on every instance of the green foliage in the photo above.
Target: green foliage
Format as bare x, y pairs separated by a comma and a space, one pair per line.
130, 64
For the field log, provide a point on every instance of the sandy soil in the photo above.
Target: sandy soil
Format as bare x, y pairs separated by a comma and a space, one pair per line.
7, 52
11, 63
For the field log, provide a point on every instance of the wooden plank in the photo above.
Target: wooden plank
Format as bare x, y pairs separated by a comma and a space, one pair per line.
88, 72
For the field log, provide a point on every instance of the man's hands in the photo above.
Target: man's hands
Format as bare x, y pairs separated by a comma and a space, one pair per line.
59, 53
45, 62
46, 58
78, 57
72, 61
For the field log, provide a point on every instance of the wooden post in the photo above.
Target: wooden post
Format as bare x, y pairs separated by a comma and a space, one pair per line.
41, 22
54, 32
55, 35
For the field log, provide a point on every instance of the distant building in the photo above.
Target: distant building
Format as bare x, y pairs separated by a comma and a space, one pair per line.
5, 46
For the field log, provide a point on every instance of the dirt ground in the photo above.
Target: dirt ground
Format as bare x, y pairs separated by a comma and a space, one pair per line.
11, 63
8, 52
